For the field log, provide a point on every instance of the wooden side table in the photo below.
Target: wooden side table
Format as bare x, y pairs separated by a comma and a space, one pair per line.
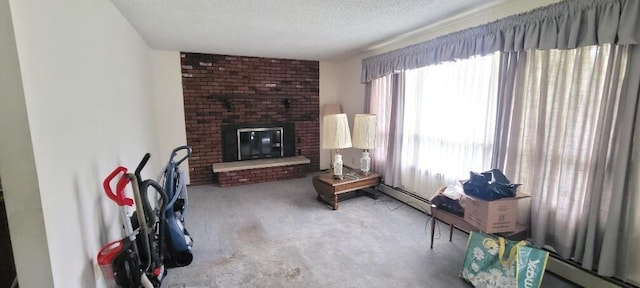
457, 221
329, 189
449, 218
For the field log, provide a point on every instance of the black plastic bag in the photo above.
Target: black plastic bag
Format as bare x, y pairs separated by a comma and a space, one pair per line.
489, 185
447, 204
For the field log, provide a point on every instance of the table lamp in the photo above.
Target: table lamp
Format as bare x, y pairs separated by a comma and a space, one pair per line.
335, 135
328, 109
364, 137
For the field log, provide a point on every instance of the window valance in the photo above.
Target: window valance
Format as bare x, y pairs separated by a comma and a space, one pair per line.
564, 25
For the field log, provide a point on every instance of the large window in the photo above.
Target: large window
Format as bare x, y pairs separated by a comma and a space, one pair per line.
566, 120
563, 128
449, 122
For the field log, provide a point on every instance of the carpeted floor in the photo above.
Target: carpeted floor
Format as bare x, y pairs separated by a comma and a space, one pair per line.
277, 235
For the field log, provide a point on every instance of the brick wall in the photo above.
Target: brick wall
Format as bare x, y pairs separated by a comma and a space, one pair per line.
226, 179
223, 90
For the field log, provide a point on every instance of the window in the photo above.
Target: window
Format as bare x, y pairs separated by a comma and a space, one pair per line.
449, 122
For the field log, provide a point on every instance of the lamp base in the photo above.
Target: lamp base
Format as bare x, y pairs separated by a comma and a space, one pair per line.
365, 163
337, 167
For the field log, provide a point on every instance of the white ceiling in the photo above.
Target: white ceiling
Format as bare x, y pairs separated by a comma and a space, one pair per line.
295, 29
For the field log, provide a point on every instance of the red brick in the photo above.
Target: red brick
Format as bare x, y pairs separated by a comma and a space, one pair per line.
242, 82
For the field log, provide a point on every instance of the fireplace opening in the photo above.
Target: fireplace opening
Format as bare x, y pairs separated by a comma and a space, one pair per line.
257, 143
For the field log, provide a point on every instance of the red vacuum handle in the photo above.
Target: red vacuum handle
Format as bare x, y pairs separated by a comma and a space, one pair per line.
119, 197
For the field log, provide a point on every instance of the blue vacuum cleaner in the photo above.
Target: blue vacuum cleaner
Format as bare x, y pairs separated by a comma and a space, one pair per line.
178, 242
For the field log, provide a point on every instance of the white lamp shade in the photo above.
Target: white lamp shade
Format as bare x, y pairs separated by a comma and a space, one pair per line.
335, 132
364, 131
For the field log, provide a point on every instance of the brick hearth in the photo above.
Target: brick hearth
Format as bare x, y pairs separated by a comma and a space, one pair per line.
224, 90
254, 171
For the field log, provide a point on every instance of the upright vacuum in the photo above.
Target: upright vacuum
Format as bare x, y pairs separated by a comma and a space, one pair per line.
178, 240
155, 233
136, 260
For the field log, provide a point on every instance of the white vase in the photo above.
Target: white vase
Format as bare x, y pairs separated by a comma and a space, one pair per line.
337, 167
365, 163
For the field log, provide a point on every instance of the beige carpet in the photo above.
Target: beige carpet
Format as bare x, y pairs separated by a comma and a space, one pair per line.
277, 235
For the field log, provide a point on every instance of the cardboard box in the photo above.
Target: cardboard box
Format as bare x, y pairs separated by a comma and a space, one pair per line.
492, 216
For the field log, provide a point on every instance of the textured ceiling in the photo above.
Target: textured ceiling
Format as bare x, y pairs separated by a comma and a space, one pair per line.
297, 29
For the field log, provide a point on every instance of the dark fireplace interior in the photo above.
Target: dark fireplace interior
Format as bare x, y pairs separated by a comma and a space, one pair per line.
258, 141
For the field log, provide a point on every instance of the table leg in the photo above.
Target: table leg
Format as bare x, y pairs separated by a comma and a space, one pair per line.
433, 226
371, 192
450, 232
334, 203
375, 192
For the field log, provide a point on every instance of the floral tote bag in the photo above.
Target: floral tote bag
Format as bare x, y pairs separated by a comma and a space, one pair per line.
490, 261
530, 268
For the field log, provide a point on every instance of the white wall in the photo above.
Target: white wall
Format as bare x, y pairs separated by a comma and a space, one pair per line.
336, 86
169, 104
352, 102
328, 95
17, 167
88, 93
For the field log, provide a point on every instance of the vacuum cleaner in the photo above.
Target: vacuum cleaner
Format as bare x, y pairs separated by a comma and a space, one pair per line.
155, 233
178, 240
136, 260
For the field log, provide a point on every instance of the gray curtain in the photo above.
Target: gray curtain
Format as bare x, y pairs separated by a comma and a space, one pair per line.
614, 254
385, 98
569, 140
391, 171
367, 98
511, 67
602, 233
564, 25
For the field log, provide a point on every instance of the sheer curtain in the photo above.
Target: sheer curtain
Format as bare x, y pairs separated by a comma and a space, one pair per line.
385, 98
449, 122
569, 137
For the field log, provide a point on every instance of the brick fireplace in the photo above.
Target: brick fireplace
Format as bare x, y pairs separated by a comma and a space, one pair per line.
222, 91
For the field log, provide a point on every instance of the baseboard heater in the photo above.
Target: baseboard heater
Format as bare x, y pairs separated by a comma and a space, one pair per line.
555, 265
